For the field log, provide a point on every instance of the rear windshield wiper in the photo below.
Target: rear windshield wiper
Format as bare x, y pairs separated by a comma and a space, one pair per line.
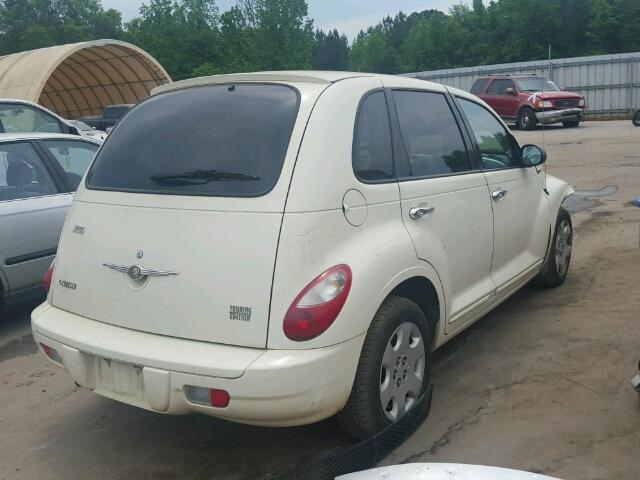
200, 177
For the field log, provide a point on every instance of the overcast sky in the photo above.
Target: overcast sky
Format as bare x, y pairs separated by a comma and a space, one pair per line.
348, 16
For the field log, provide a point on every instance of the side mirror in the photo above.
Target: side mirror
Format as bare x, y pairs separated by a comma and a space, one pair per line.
532, 156
510, 91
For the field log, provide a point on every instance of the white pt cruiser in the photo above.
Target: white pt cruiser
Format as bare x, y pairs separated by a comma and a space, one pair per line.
276, 248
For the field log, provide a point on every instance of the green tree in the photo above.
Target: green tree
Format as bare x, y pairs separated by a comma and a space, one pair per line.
603, 28
180, 34
28, 24
370, 52
283, 34
628, 20
330, 51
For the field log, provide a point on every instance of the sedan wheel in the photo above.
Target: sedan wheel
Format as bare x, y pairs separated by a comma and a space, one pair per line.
555, 268
402, 371
394, 369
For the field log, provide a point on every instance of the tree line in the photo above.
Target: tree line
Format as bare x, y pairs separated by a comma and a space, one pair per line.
193, 37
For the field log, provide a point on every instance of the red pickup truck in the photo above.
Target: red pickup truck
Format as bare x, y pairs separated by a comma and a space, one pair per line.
529, 100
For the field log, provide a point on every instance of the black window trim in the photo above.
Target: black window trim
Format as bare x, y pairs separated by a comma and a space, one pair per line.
463, 133
476, 147
195, 194
364, 97
41, 145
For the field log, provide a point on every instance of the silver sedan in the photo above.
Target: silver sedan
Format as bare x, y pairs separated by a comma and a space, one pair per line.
39, 172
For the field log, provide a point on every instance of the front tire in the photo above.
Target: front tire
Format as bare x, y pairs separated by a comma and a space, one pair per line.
554, 272
394, 369
527, 119
636, 119
572, 124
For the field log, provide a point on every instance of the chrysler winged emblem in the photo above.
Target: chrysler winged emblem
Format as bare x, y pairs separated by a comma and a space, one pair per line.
138, 272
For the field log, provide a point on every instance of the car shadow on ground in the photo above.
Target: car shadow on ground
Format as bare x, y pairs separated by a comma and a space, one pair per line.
197, 446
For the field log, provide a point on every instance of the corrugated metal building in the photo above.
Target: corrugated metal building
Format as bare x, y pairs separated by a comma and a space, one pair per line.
81, 78
610, 83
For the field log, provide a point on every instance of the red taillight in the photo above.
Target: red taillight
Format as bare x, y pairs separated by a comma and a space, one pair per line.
219, 398
49, 275
318, 305
52, 353
207, 396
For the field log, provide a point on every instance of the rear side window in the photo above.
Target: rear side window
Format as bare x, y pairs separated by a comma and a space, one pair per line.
22, 173
479, 85
73, 156
430, 134
218, 140
23, 118
372, 157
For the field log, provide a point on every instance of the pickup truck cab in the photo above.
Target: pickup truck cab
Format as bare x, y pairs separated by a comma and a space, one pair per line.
111, 115
529, 100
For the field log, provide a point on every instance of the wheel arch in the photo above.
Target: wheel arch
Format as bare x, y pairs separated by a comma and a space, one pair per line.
559, 191
422, 292
522, 107
422, 285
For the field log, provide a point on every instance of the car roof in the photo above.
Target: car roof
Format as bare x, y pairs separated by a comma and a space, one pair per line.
321, 77
12, 137
511, 77
19, 101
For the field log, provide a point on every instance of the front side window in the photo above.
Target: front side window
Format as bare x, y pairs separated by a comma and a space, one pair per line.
74, 158
430, 134
372, 157
23, 118
499, 87
215, 140
497, 147
22, 173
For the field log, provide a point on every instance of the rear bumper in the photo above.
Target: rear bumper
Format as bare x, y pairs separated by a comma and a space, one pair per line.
267, 387
565, 115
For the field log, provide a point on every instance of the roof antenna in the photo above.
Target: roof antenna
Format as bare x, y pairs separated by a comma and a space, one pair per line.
544, 140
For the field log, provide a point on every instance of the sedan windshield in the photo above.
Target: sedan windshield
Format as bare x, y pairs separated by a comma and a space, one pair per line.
537, 85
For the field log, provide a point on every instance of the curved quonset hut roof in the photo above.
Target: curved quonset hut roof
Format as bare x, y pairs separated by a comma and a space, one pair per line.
82, 78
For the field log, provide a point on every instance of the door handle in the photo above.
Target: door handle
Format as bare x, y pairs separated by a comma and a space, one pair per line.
416, 213
498, 194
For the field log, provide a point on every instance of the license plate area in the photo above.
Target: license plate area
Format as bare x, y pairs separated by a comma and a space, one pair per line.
119, 379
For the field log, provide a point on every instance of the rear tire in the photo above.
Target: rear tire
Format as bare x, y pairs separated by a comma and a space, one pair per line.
572, 124
527, 119
399, 372
636, 119
555, 269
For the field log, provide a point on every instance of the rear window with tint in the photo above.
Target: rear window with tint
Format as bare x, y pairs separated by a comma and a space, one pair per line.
218, 140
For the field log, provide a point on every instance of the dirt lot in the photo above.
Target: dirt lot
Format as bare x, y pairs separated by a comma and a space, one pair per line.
541, 384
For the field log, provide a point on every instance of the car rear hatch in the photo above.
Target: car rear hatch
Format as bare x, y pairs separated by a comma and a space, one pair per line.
176, 231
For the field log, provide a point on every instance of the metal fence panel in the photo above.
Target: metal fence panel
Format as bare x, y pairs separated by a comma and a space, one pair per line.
610, 83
